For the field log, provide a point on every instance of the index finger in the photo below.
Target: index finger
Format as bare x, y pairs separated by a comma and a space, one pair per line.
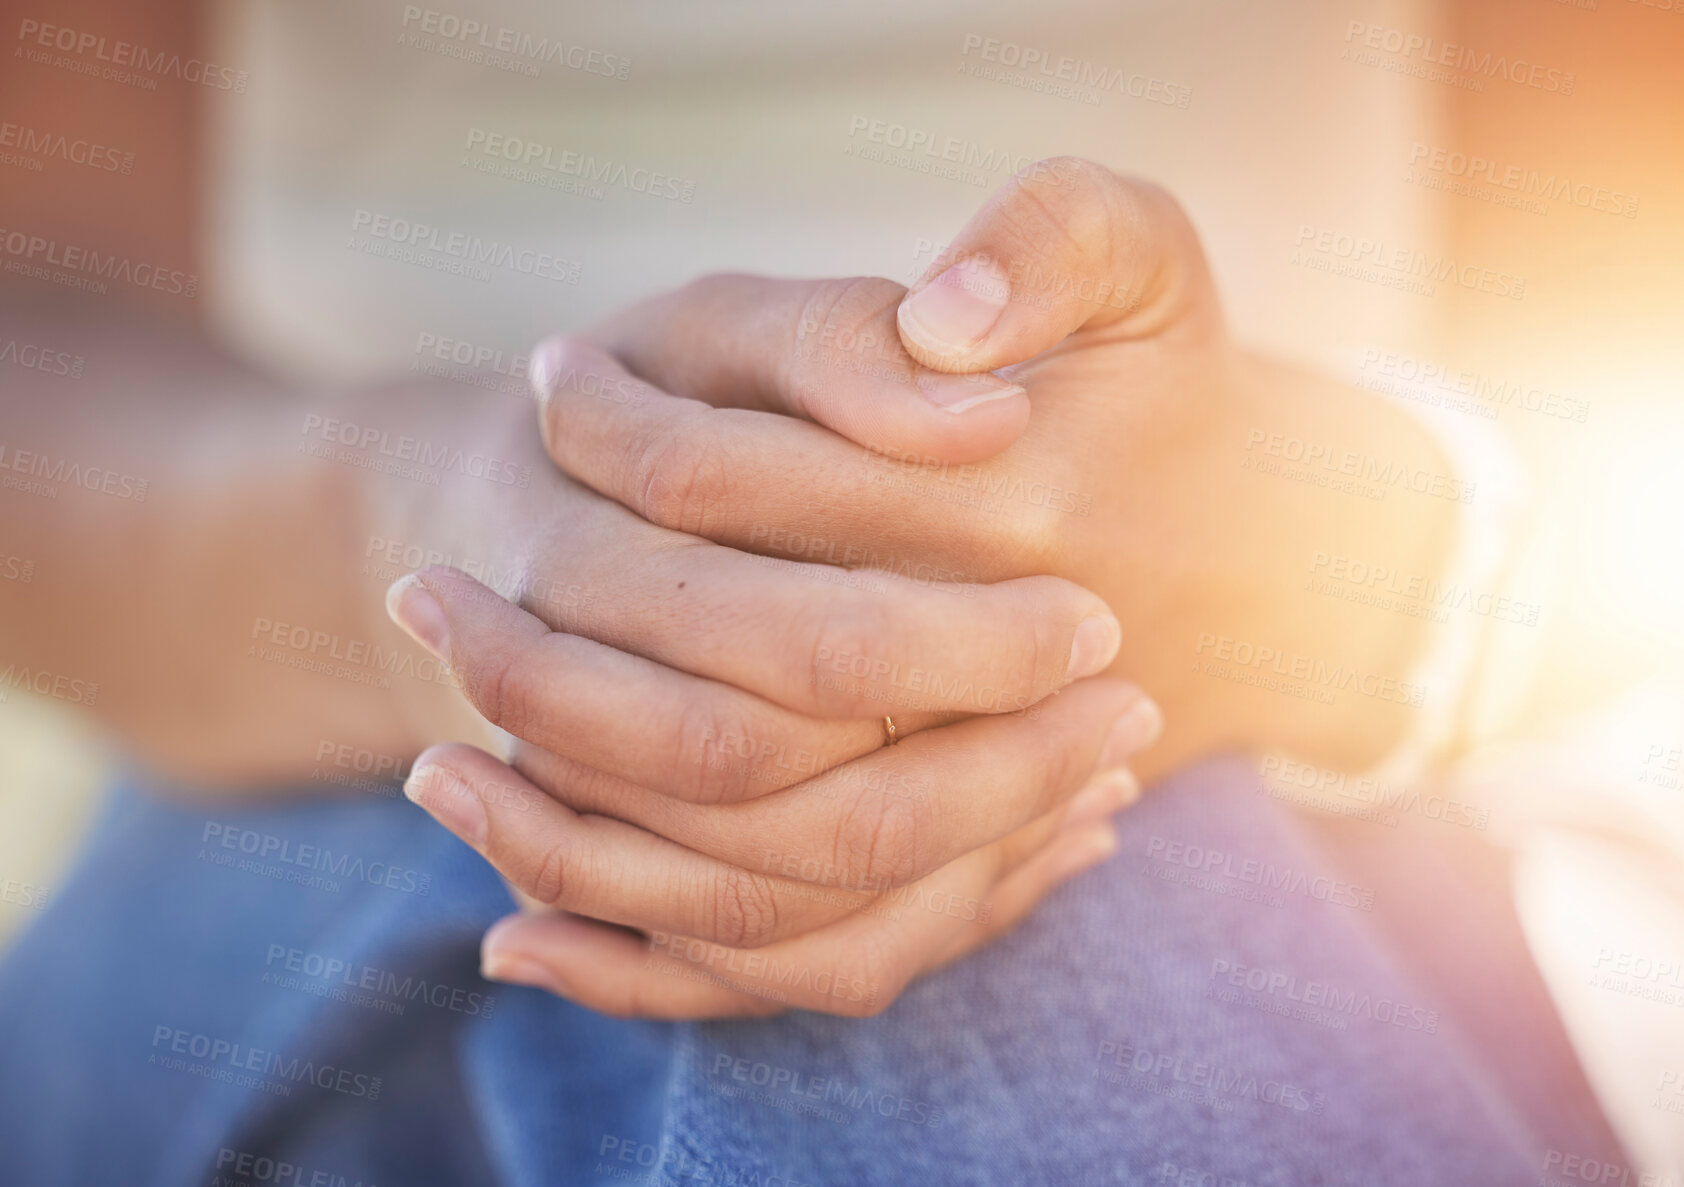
823, 350
758, 481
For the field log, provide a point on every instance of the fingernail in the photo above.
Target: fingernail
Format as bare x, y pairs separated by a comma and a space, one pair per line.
1104, 795
448, 800
956, 310
1136, 729
542, 366
513, 969
1095, 645
961, 393
414, 608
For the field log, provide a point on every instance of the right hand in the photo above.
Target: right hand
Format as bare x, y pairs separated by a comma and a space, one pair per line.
734, 710
687, 807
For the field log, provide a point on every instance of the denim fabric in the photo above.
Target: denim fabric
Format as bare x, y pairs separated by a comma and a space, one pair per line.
288, 996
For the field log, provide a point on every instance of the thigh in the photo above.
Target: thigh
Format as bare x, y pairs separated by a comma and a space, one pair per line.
1212, 1006
216, 995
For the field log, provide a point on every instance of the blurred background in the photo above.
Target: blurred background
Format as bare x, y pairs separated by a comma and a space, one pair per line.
1538, 140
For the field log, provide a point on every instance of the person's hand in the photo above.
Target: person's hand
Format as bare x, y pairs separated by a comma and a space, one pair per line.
675, 776
1149, 466
786, 860
789, 636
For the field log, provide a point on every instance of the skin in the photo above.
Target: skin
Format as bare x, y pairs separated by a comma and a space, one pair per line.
239, 530
653, 592
246, 535
1140, 401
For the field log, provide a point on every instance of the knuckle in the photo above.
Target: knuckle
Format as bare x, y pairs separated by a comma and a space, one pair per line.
573, 356
507, 693
859, 308
745, 909
1057, 773
1030, 539
845, 328
1073, 191
549, 879
880, 841
883, 978
713, 757
678, 478
852, 648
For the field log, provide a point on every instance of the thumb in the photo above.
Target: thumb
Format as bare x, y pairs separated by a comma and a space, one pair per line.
1066, 245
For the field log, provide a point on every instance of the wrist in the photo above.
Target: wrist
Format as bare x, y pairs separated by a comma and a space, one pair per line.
1254, 648
471, 478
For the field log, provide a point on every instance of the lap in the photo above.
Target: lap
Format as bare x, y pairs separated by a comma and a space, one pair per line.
1212, 1002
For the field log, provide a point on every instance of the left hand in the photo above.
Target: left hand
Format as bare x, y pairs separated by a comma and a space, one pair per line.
1133, 475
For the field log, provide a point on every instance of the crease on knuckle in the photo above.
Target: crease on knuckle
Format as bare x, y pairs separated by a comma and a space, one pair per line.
550, 879
1079, 210
573, 355
879, 843
884, 976
507, 693
843, 640
745, 909
1031, 539
678, 477
706, 765
1057, 773
845, 328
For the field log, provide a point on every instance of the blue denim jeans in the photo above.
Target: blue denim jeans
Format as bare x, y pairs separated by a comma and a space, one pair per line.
289, 995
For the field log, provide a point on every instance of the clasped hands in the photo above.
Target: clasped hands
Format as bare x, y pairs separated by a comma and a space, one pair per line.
790, 510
